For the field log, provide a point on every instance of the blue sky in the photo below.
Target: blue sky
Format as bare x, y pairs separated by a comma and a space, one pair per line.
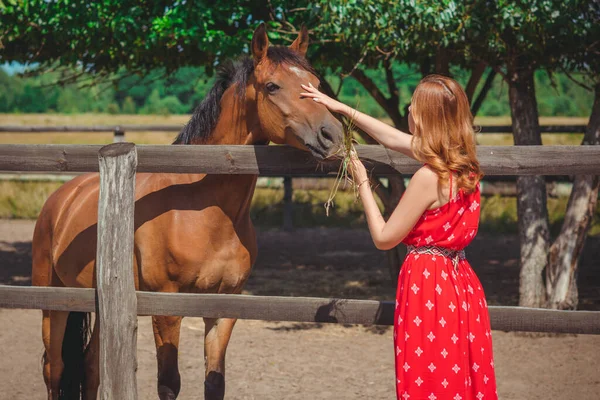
13, 67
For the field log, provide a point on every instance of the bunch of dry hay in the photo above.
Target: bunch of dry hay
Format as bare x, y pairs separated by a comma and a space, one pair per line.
346, 152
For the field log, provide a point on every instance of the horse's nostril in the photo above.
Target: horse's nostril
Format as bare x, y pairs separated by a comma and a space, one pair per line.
326, 134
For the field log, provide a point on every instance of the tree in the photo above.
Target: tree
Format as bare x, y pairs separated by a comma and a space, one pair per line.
561, 271
515, 39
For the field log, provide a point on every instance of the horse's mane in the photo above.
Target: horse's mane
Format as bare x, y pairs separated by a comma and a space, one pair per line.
200, 127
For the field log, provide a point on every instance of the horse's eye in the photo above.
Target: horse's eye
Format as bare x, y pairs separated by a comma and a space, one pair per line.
272, 88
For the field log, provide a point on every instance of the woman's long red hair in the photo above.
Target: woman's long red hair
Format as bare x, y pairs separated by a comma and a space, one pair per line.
443, 133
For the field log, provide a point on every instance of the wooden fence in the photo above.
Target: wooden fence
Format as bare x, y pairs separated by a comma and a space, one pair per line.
117, 303
502, 188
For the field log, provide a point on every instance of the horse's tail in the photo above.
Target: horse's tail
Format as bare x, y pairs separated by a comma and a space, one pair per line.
77, 334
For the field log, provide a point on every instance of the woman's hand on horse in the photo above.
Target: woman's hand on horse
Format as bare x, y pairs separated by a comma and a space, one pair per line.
314, 93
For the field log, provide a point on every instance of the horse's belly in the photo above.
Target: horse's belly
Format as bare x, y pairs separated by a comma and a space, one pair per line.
196, 256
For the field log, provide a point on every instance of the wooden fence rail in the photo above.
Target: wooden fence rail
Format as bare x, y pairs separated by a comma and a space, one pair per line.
290, 309
284, 160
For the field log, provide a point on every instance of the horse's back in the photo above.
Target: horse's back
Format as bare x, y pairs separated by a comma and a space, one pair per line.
185, 234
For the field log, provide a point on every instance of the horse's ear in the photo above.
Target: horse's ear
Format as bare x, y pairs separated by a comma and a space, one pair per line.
300, 45
260, 43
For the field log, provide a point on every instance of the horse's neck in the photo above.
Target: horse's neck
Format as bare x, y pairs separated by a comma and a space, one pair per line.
237, 125
238, 121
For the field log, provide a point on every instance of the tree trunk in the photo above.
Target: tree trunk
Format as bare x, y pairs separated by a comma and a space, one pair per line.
534, 233
561, 273
477, 71
442, 61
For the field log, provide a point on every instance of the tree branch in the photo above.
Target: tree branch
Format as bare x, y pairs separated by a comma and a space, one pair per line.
476, 74
374, 91
575, 81
483, 93
394, 93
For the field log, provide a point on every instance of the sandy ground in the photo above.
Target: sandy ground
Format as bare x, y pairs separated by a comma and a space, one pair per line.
309, 361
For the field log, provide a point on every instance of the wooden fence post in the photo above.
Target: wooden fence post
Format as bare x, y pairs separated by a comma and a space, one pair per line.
288, 204
117, 302
118, 135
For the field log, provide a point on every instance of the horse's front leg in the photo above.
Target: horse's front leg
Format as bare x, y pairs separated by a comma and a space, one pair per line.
216, 338
166, 337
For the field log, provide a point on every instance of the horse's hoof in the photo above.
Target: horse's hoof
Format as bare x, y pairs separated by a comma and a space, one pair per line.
165, 393
214, 386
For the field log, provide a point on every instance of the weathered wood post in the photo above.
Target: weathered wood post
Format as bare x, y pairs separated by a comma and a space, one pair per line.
288, 204
118, 135
117, 302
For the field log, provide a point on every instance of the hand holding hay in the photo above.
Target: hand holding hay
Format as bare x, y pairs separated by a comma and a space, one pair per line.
351, 168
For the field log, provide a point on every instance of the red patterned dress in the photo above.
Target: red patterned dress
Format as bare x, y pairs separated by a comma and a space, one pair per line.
442, 336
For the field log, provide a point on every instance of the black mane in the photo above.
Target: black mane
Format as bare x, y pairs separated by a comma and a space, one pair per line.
200, 127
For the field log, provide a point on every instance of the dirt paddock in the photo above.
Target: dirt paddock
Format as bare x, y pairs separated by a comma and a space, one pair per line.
268, 360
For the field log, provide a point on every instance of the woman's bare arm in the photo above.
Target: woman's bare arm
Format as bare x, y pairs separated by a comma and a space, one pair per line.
388, 136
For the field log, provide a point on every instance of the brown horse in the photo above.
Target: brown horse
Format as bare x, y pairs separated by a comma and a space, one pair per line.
192, 231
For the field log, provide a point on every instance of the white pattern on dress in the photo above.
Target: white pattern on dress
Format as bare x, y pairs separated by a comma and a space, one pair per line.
415, 288
474, 206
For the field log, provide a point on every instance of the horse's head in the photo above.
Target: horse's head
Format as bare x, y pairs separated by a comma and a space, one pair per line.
285, 117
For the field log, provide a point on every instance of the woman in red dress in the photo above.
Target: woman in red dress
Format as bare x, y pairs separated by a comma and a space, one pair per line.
442, 334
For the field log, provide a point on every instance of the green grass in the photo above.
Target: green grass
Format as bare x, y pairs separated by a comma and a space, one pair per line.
23, 200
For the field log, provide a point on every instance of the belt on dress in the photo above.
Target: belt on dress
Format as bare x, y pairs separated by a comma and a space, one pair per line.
454, 255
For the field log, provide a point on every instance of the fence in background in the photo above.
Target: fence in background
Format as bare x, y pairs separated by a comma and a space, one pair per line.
502, 188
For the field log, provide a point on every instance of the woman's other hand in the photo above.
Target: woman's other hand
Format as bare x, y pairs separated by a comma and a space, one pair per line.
357, 169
